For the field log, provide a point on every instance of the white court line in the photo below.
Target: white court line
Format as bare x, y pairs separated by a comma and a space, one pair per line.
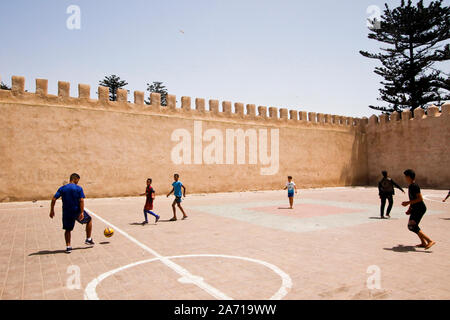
198, 281
91, 294
428, 195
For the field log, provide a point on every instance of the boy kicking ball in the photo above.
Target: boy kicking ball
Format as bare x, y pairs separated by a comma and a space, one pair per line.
150, 197
177, 185
73, 210
416, 209
292, 189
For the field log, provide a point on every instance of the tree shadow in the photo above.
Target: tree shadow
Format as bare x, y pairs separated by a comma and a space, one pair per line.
402, 248
44, 252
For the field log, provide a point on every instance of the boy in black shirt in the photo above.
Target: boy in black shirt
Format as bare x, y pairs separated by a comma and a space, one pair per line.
416, 209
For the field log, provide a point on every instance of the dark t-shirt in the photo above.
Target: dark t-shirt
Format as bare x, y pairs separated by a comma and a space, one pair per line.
386, 186
70, 195
149, 201
413, 191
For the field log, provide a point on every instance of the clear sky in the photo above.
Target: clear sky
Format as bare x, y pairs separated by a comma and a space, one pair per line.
295, 54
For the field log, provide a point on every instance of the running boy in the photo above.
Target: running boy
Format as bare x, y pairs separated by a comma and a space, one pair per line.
416, 209
291, 188
177, 185
73, 210
148, 207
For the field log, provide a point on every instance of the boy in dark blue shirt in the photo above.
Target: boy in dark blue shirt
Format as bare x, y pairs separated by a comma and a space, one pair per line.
177, 185
73, 210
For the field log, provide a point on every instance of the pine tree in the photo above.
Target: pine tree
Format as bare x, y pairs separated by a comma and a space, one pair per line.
417, 39
113, 82
157, 87
4, 86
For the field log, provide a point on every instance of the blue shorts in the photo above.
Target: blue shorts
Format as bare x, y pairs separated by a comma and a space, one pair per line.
69, 220
290, 194
178, 199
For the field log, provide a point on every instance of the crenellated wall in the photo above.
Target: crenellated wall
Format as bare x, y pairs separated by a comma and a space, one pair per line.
401, 141
116, 145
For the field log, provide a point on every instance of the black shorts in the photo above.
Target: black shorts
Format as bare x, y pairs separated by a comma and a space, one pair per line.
69, 220
417, 215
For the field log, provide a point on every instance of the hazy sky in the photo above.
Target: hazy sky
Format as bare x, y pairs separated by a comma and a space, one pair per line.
296, 54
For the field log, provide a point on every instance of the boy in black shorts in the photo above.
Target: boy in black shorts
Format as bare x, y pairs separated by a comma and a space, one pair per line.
416, 209
73, 210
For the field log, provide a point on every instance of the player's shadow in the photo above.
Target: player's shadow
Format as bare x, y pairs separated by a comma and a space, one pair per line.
402, 248
285, 208
142, 224
445, 219
136, 224
45, 252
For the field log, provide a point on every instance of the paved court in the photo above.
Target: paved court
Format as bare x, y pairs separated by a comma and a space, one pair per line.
232, 246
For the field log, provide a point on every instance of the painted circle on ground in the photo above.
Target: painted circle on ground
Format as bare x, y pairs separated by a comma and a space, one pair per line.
286, 281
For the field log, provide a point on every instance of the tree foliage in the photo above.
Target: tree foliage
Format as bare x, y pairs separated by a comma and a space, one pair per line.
417, 39
158, 87
114, 83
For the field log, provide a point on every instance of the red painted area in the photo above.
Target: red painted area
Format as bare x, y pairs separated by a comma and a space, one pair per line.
304, 210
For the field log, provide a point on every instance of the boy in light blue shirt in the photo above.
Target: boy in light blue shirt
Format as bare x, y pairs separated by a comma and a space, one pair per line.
291, 188
177, 185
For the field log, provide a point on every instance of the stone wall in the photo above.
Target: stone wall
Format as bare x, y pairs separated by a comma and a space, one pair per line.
116, 146
401, 141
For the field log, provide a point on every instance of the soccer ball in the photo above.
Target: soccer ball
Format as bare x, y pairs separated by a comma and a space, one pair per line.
108, 232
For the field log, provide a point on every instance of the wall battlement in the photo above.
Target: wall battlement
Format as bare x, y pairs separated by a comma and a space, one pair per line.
188, 107
215, 146
381, 122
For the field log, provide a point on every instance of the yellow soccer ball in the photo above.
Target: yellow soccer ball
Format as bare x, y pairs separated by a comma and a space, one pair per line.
108, 232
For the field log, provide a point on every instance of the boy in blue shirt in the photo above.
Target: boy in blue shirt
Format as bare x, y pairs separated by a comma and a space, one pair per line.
177, 185
291, 188
73, 210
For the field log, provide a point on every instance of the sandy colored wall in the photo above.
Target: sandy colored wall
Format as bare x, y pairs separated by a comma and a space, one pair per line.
401, 142
115, 146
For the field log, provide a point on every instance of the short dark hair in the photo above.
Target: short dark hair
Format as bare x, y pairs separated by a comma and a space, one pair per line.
384, 173
410, 173
149, 179
74, 176
176, 175
289, 177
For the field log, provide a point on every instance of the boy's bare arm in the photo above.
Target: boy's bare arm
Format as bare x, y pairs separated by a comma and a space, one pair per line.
417, 200
170, 192
81, 217
184, 191
52, 208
